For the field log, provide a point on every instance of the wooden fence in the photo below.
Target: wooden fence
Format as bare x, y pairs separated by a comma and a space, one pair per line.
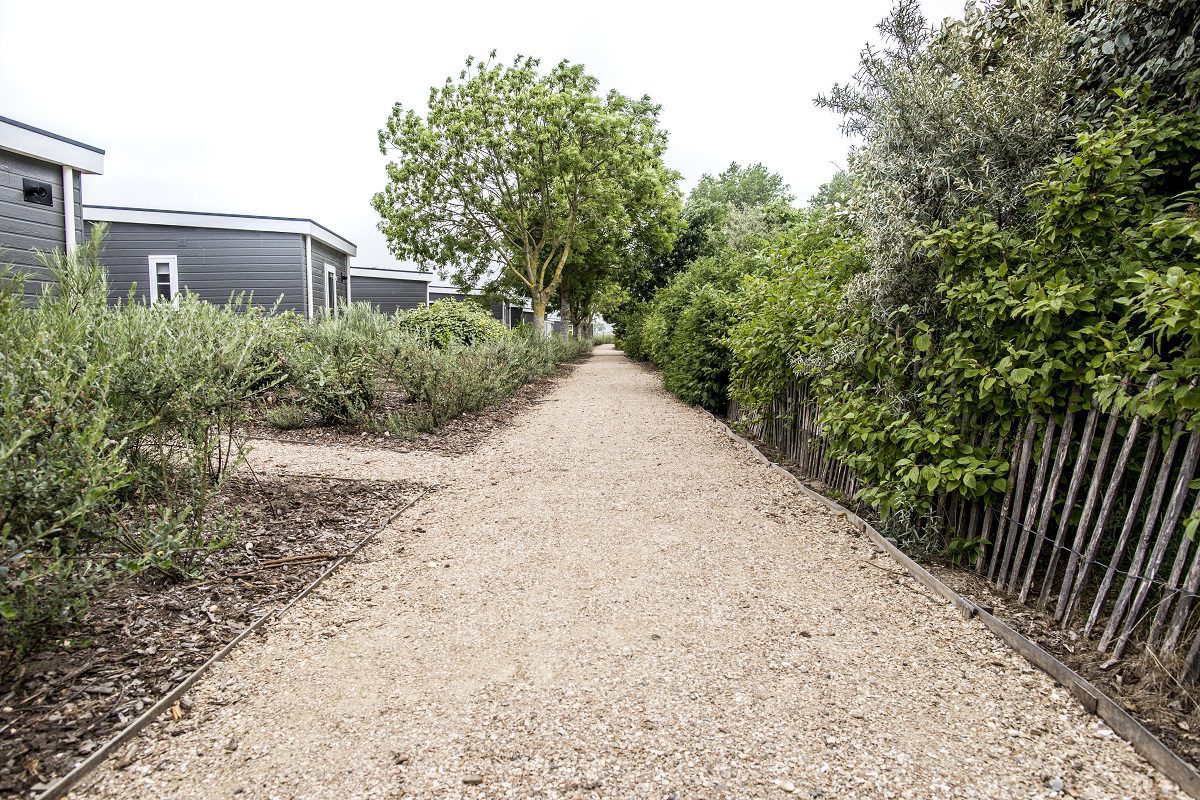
1092, 527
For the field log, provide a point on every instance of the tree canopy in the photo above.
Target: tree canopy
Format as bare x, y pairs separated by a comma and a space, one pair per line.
518, 170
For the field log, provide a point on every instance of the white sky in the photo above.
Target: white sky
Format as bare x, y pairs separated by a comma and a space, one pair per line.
273, 108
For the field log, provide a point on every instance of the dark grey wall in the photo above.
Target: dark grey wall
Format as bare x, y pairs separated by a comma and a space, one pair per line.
495, 309
388, 294
213, 262
25, 226
323, 254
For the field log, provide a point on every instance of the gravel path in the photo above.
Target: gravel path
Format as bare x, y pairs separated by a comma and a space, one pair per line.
611, 599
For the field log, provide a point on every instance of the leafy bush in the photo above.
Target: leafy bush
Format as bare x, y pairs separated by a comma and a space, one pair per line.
336, 367
630, 327
447, 323
287, 417
446, 383
684, 331
955, 119
60, 475
121, 423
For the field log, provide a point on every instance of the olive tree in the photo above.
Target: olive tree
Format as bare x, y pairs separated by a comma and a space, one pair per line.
512, 169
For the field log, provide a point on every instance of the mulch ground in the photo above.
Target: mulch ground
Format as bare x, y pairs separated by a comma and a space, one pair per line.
1168, 709
456, 437
141, 638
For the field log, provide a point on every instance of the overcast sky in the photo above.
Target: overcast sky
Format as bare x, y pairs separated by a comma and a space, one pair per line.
273, 108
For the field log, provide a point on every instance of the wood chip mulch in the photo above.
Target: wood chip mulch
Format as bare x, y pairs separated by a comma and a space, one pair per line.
141, 638
456, 437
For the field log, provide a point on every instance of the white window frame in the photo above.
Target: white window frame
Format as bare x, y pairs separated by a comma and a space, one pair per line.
174, 262
331, 299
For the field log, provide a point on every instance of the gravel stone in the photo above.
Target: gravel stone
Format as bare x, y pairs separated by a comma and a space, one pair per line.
568, 540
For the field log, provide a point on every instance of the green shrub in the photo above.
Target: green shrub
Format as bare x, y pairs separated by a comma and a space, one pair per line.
287, 417
336, 368
60, 472
449, 323
403, 422
446, 383
698, 367
630, 329
684, 330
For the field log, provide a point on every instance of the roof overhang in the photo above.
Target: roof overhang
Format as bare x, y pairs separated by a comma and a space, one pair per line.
453, 290
390, 274
17, 137
234, 222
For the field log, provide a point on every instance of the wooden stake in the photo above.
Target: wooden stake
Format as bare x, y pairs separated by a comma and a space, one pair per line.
1106, 507
989, 512
1123, 538
1013, 513
1185, 599
1147, 533
1170, 519
1085, 516
1035, 496
1060, 459
1081, 464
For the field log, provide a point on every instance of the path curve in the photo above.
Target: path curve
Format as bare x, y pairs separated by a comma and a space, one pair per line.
612, 599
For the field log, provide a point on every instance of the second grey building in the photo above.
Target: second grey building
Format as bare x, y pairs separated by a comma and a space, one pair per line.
390, 290
154, 254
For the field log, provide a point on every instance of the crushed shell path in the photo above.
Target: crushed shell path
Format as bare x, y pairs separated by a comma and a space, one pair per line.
611, 599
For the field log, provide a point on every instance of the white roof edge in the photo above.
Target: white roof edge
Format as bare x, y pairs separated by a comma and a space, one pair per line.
393, 274
236, 222
46, 146
453, 290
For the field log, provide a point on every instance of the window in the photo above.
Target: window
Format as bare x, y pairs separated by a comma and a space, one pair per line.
330, 289
164, 278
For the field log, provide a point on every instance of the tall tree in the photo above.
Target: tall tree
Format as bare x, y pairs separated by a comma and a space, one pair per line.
512, 168
702, 226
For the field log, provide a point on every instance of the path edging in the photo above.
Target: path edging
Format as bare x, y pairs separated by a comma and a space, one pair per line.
1093, 699
61, 786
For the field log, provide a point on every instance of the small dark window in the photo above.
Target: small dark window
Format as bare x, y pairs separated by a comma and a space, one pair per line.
163, 280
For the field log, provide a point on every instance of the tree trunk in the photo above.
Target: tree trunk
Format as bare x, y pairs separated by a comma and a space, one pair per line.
538, 300
564, 311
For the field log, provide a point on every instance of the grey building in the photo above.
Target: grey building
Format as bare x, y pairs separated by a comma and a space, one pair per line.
40, 195
506, 312
155, 254
390, 290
